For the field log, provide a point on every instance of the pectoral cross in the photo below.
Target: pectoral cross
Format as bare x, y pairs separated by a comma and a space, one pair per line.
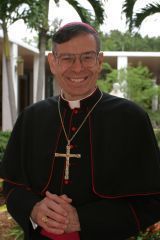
67, 155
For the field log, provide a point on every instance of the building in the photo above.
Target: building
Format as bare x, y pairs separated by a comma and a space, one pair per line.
25, 71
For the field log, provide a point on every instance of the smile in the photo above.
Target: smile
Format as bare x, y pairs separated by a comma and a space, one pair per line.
78, 80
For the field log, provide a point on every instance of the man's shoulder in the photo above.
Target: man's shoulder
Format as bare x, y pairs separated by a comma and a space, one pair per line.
123, 105
43, 109
48, 103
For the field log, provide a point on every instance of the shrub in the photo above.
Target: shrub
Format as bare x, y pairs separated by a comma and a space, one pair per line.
16, 233
157, 133
4, 136
137, 85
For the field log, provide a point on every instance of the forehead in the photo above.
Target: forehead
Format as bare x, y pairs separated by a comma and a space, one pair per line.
78, 44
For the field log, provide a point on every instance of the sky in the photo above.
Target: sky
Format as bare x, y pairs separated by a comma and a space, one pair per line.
113, 19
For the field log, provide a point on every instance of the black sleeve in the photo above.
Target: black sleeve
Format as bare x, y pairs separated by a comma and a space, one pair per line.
20, 202
118, 219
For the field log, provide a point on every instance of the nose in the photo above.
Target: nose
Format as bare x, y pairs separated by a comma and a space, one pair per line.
77, 65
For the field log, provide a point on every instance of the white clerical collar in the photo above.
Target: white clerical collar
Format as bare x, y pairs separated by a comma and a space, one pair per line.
76, 103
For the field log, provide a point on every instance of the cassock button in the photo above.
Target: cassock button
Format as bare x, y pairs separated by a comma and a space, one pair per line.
67, 181
73, 129
75, 111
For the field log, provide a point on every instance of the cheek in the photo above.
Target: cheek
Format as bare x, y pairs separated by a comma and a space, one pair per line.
59, 73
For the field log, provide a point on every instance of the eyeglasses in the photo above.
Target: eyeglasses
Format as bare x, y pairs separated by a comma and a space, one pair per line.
87, 59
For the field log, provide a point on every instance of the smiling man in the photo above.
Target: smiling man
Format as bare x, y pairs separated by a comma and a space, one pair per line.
76, 64
84, 165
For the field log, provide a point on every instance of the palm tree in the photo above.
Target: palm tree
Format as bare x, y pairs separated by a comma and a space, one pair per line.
38, 20
147, 11
127, 9
135, 20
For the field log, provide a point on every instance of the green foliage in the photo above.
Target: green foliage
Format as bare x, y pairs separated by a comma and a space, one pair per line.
16, 232
138, 86
103, 85
106, 68
37, 17
147, 235
82, 12
4, 136
98, 8
157, 133
117, 41
127, 8
11, 11
3, 208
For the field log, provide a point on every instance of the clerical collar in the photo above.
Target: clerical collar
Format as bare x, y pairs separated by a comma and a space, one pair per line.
77, 103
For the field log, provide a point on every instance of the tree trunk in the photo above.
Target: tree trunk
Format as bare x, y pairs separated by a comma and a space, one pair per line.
41, 67
42, 48
11, 92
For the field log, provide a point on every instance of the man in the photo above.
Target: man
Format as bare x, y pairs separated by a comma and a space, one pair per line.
83, 165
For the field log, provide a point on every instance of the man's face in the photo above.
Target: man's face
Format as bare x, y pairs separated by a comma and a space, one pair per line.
76, 73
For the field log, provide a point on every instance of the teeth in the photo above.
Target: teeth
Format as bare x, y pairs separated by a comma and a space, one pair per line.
77, 79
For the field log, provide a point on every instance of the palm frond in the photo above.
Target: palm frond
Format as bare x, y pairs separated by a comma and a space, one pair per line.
84, 14
10, 11
127, 9
149, 10
98, 9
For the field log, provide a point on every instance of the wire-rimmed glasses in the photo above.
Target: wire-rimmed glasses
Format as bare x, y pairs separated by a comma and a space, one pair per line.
87, 59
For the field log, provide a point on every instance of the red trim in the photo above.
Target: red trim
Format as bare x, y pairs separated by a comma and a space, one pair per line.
16, 184
52, 166
91, 156
92, 174
135, 216
93, 178
50, 175
70, 124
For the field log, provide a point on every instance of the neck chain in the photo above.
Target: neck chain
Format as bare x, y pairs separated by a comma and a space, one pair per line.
68, 155
73, 136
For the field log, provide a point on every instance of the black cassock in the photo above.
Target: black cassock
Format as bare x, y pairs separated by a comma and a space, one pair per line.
115, 185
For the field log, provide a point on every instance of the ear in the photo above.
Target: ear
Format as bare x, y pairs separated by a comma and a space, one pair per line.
51, 61
100, 60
